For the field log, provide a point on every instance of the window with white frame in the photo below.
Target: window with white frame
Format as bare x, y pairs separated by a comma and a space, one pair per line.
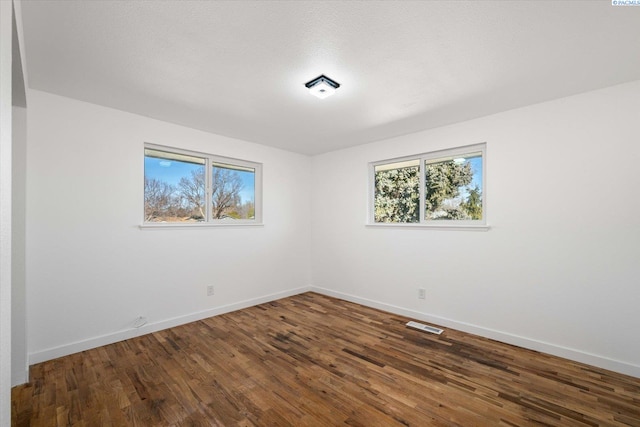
444, 187
185, 187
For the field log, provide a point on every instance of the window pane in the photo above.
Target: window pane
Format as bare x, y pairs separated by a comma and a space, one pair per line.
453, 188
174, 187
397, 192
232, 192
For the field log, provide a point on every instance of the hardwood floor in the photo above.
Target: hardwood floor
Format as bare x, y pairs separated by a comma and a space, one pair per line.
311, 360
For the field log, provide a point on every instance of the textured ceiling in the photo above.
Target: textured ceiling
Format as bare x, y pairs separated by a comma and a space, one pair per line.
239, 68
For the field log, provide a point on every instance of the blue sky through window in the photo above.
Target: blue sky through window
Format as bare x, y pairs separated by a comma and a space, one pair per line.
476, 167
170, 171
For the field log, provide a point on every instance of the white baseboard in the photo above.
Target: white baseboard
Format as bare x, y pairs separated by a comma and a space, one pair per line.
78, 346
544, 347
556, 350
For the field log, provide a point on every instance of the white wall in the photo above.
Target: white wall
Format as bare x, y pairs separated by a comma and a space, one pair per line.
5, 210
91, 270
557, 271
560, 267
19, 366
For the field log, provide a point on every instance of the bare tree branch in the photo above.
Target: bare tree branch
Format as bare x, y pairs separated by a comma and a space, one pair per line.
158, 198
192, 190
226, 187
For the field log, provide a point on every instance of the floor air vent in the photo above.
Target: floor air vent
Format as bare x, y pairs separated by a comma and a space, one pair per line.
425, 328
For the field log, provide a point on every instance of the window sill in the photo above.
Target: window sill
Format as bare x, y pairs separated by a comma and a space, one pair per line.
458, 227
175, 226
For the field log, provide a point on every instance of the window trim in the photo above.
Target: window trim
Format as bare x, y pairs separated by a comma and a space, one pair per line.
210, 159
470, 225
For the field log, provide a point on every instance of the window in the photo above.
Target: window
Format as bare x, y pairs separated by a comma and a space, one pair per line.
441, 188
184, 187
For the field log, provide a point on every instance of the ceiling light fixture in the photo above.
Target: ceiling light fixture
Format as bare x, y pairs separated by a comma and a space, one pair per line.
322, 86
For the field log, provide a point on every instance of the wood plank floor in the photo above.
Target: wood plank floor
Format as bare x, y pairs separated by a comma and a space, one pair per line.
311, 360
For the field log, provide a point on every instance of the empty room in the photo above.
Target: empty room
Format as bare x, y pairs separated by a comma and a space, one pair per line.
319, 213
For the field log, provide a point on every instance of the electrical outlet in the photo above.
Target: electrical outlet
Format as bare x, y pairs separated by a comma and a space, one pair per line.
422, 293
209, 290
